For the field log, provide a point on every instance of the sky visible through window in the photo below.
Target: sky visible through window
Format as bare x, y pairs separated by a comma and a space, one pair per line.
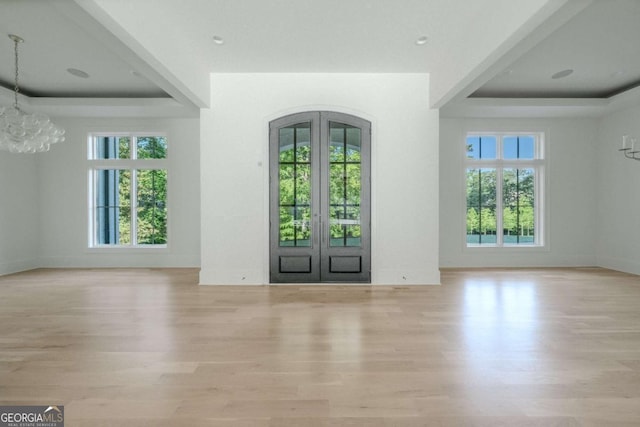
513, 147
518, 147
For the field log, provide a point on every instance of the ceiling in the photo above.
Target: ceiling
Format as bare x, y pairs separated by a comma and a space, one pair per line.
135, 50
601, 44
54, 43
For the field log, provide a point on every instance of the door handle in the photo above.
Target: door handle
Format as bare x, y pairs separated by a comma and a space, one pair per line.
315, 233
324, 237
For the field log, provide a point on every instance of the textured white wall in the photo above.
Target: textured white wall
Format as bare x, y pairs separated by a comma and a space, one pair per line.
19, 220
63, 235
234, 166
618, 194
571, 198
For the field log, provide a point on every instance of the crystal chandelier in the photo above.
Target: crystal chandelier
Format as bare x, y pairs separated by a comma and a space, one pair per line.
25, 133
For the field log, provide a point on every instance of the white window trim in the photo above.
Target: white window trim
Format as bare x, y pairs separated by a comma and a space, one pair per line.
538, 163
131, 164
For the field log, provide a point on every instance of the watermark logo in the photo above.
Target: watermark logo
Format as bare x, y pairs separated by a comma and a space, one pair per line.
32, 416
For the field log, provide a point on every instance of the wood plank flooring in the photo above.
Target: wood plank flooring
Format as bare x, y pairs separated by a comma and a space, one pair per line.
149, 347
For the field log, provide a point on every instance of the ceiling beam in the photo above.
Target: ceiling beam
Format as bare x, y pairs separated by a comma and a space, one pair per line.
93, 19
547, 20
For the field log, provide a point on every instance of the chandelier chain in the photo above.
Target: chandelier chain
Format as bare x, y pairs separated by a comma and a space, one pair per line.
16, 88
21, 132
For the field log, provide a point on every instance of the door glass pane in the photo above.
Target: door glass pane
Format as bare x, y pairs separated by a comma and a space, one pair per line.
302, 225
303, 185
353, 184
286, 144
336, 146
287, 174
303, 144
337, 195
344, 185
353, 144
294, 185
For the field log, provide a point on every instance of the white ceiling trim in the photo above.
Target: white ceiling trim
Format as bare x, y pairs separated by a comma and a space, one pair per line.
113, 107
541, 107
101, 107
526, 108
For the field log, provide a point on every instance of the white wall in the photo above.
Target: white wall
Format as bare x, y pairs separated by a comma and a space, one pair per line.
63, 171
618, 244
19, 220
571, 197
234, 165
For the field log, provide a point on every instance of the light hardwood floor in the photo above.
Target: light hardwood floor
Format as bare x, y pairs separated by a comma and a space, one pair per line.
147, 347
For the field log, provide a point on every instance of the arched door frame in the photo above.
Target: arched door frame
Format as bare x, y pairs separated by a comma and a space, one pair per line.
340, 147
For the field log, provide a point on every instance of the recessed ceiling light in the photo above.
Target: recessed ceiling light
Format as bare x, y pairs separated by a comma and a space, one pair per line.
562, 74
218, 40
422, 40
78, 73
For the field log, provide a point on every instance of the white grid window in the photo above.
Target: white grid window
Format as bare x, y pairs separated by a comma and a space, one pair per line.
127, 190
504, 175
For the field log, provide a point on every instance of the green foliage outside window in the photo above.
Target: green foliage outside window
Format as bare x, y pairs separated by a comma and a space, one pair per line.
295, 195
152, 209
500, 188
149, 197
518, 214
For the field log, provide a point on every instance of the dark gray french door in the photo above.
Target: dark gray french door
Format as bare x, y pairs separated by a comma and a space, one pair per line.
320, 204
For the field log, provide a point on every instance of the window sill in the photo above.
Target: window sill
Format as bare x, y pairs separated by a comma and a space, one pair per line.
507, 248
128, 248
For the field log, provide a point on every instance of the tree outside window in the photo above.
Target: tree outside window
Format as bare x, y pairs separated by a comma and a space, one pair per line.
503, 176
129, 190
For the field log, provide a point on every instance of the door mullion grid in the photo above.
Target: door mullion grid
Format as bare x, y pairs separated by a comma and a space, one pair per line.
320, 203
317, 201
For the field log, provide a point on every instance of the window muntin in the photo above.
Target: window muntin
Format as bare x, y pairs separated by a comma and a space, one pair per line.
504, 175
128, 190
